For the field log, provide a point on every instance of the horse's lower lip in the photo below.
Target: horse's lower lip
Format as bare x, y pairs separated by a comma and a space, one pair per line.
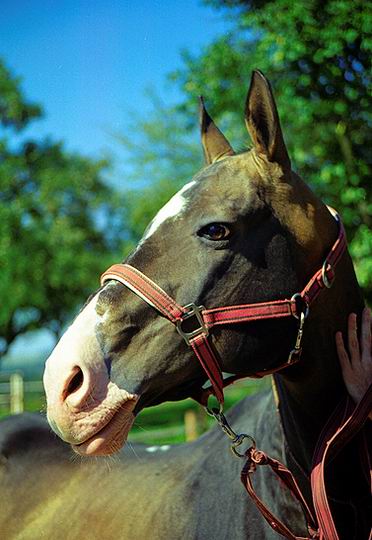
110, 437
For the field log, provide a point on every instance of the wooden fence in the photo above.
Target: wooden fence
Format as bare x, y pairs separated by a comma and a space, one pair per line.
13, 389
185, 423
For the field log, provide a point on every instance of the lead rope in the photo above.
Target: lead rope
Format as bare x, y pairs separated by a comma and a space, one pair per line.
254, 458
342, 426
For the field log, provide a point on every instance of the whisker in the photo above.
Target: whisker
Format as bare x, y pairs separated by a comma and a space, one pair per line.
131, 447
141, 427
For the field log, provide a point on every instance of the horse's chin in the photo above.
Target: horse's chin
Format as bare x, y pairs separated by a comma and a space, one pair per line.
110, 438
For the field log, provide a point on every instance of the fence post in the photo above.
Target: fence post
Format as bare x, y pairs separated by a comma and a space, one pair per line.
16, 393
191, 425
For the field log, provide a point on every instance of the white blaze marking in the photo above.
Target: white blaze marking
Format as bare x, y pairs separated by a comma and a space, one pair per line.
77, 346
171, 209
81, 334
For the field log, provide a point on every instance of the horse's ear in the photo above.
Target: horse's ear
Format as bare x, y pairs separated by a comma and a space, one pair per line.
215, 144
262, 120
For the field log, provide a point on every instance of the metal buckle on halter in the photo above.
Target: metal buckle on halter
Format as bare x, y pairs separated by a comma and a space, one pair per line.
295, 353
326, 281
301, 305
192, 311
236, 438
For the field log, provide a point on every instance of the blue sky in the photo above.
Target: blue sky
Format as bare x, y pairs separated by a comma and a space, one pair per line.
88, 63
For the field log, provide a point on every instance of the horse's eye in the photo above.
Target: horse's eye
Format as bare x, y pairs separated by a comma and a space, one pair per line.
215, 231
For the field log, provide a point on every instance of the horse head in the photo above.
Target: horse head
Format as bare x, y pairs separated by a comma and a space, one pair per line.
245, 229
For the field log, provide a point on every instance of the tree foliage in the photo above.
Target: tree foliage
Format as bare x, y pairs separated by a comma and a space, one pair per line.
317, 56
15, 111
54, 206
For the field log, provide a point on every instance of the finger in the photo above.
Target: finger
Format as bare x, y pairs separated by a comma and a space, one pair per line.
366, 336
353, 339
342, 354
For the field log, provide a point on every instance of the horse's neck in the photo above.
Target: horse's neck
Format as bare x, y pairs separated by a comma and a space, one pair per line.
309, 392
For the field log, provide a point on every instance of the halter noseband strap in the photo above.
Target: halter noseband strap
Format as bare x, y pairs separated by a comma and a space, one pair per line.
206, 319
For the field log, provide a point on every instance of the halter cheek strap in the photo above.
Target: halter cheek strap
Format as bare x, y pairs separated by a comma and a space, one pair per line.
151, 293
194, 323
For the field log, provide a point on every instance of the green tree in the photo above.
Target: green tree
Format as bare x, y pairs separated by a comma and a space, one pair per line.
317, 56
54, 210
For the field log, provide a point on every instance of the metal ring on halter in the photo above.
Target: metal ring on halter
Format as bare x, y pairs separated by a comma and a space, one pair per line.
213, 412
238, 441
305, 311
327, 283
236, 438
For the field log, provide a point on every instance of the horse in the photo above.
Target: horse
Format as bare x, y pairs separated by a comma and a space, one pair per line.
246, 230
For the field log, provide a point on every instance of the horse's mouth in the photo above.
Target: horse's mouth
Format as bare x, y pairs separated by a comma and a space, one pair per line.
110, 437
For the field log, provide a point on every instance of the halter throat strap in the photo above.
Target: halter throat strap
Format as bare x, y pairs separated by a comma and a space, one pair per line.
194, 323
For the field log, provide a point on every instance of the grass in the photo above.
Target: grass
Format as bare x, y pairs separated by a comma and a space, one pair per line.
165, 423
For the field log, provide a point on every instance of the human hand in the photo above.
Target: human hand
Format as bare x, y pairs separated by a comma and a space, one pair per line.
356, 365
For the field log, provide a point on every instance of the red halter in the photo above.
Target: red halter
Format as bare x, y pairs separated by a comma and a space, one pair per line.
206, 319
336, 431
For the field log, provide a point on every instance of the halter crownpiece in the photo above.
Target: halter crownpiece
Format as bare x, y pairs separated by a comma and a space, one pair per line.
194, 322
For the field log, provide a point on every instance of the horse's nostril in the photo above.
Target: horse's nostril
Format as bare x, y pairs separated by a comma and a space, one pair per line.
75, 382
